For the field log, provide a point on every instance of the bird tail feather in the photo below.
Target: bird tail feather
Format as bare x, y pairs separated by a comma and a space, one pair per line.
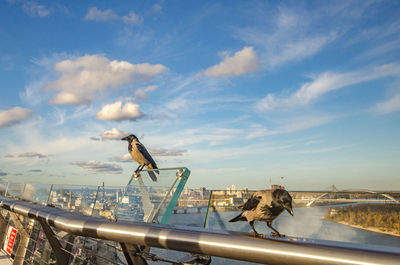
152, 176
150, 166
238, 218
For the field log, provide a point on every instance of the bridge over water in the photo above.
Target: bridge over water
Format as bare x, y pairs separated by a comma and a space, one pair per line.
301, 198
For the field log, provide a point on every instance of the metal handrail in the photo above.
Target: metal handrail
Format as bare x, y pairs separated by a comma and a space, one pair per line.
226, 244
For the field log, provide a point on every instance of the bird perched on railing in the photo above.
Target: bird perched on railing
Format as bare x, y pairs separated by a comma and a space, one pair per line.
265, 205
141, 155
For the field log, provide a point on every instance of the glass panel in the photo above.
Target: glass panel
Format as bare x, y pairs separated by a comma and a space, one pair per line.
15, 189
80, 199
3, 186
147, 201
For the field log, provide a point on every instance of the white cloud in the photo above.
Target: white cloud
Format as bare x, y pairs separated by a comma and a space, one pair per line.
287, 19
241, 62
297, 50
142, 94
35, 10
287, 37
214, 171
32, 155
387, 48
324, 83
35, 170
81, 78
288, 126
98, 15
2, 174
32, 94
113, 134
177, 103
166, 152
97, 166
320, 150
132, 19
123, 159
213, 136
13, 116
6, 62
117, 112
156, 8
388, 106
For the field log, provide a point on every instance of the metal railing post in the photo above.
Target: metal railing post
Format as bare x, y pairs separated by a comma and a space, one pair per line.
208, 209
24, 238
3, 229
61, 256
48, 197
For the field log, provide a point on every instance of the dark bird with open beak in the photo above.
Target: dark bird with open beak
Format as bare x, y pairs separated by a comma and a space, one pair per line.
141, 155
266, 206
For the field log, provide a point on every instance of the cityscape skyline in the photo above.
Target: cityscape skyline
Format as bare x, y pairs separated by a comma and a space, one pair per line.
240, 93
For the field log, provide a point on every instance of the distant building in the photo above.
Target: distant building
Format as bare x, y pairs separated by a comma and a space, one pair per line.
204, 192
125, 200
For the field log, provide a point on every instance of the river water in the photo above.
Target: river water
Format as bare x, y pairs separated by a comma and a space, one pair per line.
307, 222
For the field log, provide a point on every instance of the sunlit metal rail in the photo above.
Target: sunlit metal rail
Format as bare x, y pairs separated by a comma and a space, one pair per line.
232, 245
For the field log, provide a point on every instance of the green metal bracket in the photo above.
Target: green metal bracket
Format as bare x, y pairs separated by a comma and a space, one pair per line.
208, 209
174, 200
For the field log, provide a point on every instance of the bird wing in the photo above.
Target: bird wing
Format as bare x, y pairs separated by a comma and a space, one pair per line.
146, 155
267, 197
251, 203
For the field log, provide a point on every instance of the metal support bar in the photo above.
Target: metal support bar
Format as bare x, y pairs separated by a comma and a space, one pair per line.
208, 209
131, 253
45, 257
196, 259
24, 239
61, 256
3, 229
70, 243
226, 244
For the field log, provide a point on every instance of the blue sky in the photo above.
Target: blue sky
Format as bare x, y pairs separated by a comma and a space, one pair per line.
239, 92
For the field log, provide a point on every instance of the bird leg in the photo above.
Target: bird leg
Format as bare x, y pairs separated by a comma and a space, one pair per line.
138, 169
275, 233
251, 223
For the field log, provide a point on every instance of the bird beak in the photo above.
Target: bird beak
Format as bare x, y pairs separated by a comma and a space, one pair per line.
289, 209
125, 138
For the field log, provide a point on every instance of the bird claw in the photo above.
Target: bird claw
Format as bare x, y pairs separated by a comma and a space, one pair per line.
274, 234
256, 234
